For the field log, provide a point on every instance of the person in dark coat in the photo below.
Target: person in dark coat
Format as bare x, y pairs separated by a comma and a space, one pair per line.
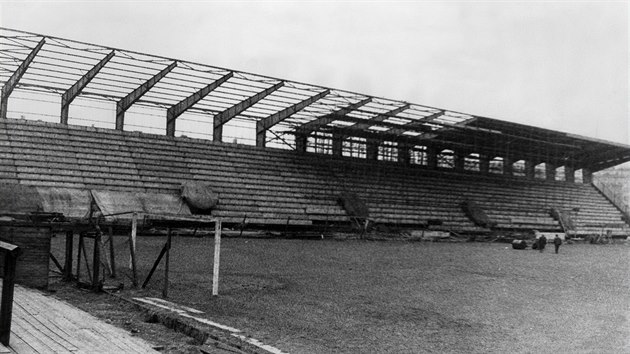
557, 242
542, 242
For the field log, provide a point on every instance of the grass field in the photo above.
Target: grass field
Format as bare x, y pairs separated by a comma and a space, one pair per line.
322, 296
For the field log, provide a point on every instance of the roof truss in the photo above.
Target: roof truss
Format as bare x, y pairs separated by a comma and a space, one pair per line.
36, 63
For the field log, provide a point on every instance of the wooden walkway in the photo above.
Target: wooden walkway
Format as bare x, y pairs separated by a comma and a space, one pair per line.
43, 324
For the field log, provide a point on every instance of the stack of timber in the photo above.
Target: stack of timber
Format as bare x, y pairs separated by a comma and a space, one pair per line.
280, 187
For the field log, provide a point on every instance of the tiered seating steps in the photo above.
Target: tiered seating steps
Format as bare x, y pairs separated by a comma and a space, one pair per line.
273, 186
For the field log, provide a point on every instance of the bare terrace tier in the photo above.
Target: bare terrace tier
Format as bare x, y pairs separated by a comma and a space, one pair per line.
275, 186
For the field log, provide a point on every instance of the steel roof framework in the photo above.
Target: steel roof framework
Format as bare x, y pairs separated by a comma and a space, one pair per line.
72, 69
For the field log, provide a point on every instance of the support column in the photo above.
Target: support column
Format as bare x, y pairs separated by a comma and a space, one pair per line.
266, 123
68, 96
404, 156
507, 165
460, 161
587, 175
337, 145
550, 171
569, 174
67, 269
126, 102
530, 169
225, 116
432, 157
300, 143
484, 163
371, 150
12, 82
178, 109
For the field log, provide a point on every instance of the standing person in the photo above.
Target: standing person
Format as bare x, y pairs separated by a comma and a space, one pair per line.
557, 242
542, 242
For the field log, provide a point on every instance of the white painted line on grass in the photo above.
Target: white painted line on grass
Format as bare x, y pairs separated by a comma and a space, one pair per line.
213, 324
173, 307
259, 344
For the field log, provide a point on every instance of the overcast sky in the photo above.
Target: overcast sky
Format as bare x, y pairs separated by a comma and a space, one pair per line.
557, 65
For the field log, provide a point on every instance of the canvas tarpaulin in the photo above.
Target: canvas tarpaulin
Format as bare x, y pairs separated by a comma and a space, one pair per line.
199, 195
477, 214
122, 204
72, 203
564, 217
353, 205
19, 199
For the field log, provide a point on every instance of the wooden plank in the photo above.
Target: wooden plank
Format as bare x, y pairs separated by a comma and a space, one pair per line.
18, 345
41, 341
57, 325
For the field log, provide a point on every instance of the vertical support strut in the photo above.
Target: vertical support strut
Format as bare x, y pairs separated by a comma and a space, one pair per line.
179, 108
263, 125
68, 96
223, 117
217, 256
67, 269
12, 82
123, 105
550, 171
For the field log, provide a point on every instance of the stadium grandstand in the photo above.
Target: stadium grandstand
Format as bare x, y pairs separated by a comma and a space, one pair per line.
83, 118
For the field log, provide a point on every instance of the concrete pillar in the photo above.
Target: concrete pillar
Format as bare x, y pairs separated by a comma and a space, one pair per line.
337, 145
300, 143
371, 150
569, 174
587, 175
550, 171
460, 160
403, 154
530, 169
484, 163
507, 165
432, 160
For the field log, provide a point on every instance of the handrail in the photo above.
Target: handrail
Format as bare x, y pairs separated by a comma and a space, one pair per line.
614, 197
11, 253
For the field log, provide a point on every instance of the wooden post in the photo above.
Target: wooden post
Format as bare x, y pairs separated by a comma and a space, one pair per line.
67, 268
96, 262
132, 237
166, 262
85, 258
11, 253
79, 248
103, 251
132, 249
112, 257
217, 254
155, 264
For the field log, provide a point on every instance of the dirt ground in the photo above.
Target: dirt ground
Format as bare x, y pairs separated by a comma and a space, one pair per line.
355, 296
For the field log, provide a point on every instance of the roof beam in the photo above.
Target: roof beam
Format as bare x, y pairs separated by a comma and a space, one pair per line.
123, 105
381, 117
415, 123
603, 160
308, 127
225, 116
264, 124
68, 96
179, 108
12, 82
